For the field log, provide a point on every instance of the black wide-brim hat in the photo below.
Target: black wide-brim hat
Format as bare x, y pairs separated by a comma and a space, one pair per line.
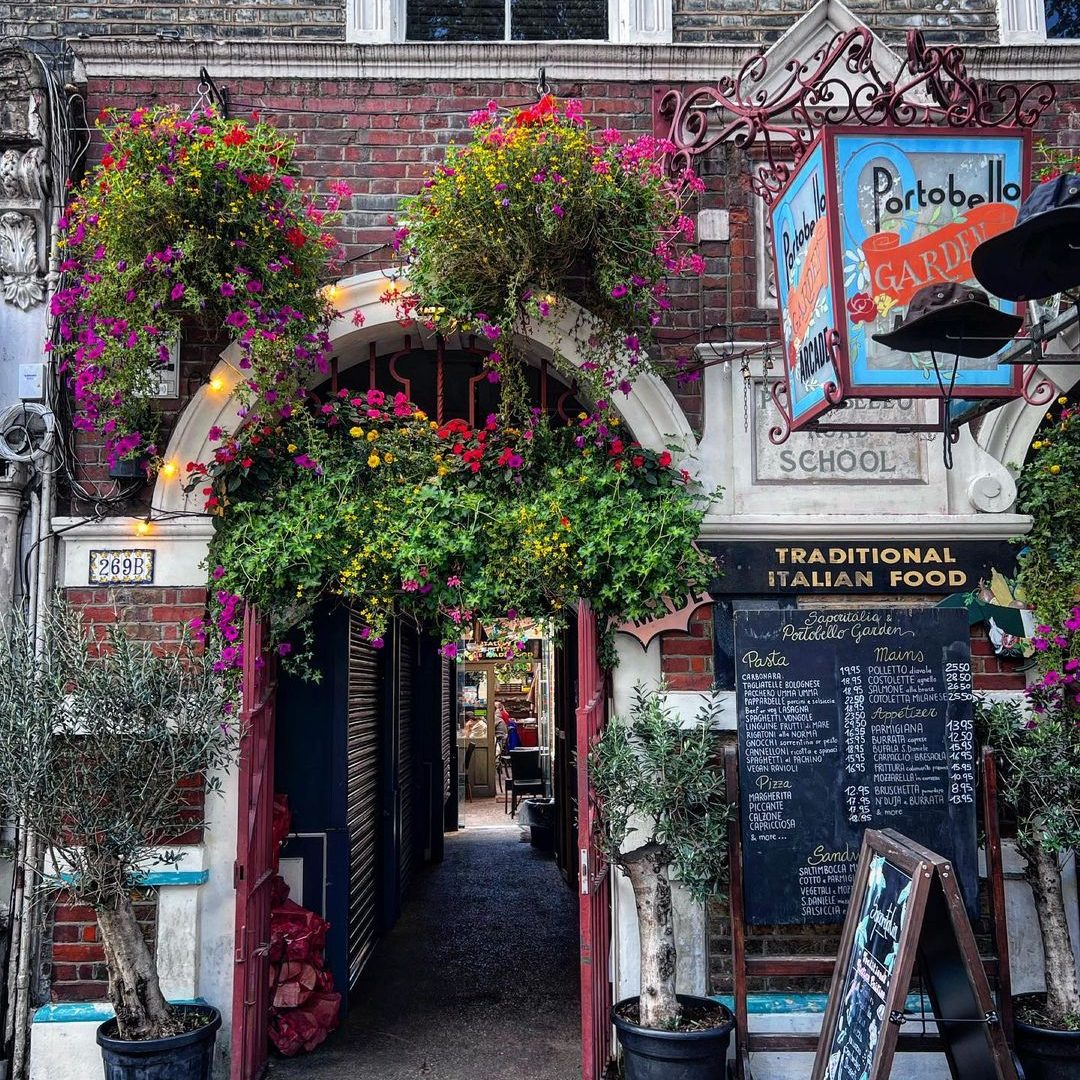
954, 319
1040, 255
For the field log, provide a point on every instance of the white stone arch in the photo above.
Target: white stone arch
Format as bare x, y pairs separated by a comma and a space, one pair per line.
650, 411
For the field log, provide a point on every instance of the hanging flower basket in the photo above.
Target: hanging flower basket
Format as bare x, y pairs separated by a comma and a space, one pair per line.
538, 209
190, 221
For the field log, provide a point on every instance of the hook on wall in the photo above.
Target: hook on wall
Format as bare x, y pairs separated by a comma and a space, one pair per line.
542, 87
210, 92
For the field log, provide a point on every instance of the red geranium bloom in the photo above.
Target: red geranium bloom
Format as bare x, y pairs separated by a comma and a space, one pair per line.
295, 237
237, 137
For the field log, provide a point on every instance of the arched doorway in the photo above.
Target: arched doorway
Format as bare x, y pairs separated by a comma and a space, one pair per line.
371, 345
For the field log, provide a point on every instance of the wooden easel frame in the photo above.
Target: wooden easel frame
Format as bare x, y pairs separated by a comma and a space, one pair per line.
743, 966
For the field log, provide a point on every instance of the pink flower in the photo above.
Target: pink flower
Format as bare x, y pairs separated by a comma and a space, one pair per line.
618, 292
449, 650
453, 581
177, 291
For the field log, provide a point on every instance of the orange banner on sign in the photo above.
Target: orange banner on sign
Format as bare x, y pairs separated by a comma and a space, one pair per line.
900, 270
804, 294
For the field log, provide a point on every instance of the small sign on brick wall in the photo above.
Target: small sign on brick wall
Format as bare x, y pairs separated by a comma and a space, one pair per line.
121, 566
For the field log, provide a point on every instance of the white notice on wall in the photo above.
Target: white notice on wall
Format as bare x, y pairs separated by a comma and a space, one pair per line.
844, 457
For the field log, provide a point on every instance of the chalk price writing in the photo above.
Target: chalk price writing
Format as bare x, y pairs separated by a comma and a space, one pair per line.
122, 566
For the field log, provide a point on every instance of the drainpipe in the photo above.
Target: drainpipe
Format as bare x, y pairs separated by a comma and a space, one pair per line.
12, 486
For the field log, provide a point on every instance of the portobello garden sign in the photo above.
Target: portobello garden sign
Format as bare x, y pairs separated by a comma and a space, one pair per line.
869, 217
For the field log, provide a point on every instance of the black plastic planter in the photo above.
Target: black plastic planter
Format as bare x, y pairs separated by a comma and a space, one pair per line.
1047, 1054
182, 1057
649, 1054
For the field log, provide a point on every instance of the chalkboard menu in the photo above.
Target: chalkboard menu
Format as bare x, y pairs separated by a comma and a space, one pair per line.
850, 719
865, 986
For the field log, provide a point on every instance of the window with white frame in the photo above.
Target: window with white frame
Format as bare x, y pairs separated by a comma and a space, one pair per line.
624, 22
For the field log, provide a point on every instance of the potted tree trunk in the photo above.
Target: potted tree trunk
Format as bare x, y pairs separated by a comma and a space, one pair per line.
1038, 749
106, 747
663, 814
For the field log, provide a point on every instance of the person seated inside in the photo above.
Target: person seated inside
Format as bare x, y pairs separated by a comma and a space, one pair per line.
478, 731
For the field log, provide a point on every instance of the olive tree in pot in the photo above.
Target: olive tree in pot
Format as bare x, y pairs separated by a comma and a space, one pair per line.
103, 744
1038, 749
663, 814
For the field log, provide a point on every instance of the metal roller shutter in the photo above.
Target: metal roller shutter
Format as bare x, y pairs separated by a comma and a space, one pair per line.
448, 748
363, 797
406, 753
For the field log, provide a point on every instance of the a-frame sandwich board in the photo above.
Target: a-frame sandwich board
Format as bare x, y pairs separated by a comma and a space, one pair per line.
906, 905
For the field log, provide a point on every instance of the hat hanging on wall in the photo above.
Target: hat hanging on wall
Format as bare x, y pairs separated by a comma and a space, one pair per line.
1040, 255
952, 318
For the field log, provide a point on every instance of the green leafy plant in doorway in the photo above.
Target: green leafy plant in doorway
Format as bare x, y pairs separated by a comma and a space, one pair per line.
366, 499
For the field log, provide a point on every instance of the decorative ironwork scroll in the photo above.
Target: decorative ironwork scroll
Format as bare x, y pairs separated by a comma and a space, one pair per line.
839, 83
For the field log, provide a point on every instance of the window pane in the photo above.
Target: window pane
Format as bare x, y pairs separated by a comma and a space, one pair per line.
1063, 18
455, 20
567, 20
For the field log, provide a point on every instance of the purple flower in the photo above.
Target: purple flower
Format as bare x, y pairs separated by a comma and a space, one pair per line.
618, 292
227, 289
557, 210
177, 291
449, 650
218, 573
284, 649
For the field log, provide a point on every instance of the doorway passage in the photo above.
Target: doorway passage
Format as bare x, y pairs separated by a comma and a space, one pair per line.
479, 978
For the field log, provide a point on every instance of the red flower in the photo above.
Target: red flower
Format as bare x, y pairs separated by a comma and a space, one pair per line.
637, 461
257, 184
544, 107
862, 309
295, 237
246, 462
616, 447
664, 460
237, 137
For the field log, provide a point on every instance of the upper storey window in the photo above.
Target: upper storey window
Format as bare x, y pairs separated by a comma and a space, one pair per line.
622, 22
506, 20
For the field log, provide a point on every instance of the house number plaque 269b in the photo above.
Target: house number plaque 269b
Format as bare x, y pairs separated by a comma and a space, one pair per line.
122, 566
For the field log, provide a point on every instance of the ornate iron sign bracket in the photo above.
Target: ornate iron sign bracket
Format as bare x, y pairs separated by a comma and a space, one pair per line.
840, 83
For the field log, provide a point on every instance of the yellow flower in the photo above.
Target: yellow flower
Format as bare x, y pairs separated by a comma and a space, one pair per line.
372, 436
374, 461
387, 458
1063, 400
443, 470
419, 415
1037, 445
291, 448
1055, 469
356, 432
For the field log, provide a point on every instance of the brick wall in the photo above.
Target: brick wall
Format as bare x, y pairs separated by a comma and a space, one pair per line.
78, 956
695, 21
148, 613
973, 22
265, 20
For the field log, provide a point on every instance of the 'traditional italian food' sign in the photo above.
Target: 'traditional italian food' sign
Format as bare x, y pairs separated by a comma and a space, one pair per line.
871, 217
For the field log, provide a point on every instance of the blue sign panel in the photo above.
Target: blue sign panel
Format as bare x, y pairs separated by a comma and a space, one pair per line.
912, 207
801, 243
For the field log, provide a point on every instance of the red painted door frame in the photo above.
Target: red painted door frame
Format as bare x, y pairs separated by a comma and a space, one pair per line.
594, 878
254, 869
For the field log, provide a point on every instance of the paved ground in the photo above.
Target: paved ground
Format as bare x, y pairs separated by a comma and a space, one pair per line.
478, 980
